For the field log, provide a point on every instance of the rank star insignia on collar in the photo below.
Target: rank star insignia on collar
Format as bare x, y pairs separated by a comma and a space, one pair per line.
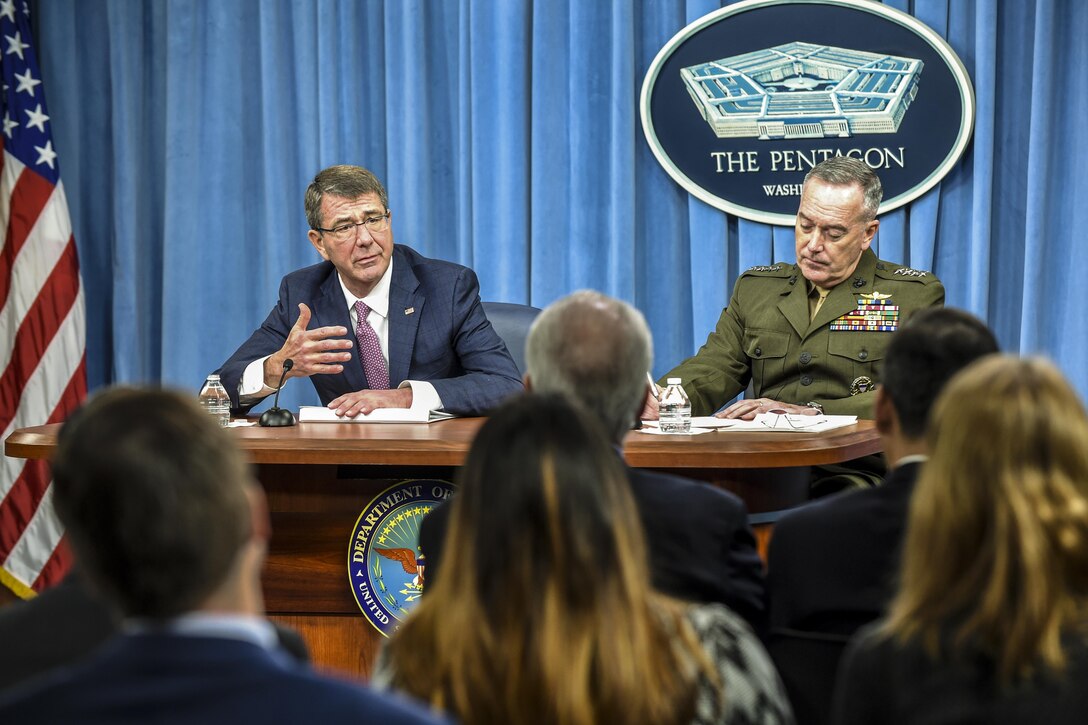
908, 272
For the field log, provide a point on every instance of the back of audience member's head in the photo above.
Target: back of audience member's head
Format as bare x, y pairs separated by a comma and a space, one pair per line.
933, 346
153, 496
996, 553
544, 611
595, 348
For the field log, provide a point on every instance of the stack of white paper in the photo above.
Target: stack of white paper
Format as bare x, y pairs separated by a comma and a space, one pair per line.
320, 414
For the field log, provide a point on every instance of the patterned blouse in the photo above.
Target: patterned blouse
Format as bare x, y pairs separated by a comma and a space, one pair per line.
754, 694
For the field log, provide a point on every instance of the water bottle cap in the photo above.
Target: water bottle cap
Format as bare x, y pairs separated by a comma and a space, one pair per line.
673, 381
213, 377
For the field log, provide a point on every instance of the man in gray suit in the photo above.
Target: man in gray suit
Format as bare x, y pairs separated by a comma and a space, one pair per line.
597, 350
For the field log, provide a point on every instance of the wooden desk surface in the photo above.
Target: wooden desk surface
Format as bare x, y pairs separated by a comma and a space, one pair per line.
445, 443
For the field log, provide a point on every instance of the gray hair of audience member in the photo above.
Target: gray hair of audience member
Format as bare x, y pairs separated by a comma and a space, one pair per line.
344, 181
153, 496
597, 349
922, 357
849, 171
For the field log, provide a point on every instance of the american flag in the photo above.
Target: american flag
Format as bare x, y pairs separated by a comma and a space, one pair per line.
42, 332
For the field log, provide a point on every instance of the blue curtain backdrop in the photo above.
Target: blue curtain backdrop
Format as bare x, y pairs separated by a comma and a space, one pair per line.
507, 133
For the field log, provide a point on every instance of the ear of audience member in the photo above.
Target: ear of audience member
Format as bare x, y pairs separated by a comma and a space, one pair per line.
988, 623
544, 613
165, 519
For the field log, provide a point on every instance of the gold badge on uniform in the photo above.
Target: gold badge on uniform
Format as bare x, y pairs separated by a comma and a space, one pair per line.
861, 384
875, 313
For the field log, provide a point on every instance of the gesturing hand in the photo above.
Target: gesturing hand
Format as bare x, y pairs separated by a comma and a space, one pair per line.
315, 352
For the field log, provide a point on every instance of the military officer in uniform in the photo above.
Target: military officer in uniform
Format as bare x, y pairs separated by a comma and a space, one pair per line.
811, 336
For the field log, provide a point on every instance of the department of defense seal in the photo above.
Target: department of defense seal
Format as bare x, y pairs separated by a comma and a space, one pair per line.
385, 566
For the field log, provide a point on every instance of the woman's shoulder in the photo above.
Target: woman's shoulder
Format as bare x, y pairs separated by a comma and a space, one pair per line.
714, 617
751, 687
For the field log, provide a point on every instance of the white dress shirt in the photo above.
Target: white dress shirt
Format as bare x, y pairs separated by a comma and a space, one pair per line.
248, 628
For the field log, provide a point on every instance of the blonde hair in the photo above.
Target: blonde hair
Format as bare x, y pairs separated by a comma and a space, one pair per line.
996, 551
543, 611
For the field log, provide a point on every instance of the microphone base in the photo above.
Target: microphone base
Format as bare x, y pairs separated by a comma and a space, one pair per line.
276, 418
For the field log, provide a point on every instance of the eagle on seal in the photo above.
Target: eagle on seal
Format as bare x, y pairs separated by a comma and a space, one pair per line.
408, 560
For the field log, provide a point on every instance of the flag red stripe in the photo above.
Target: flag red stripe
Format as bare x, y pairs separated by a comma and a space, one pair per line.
26, 493
73, 395
28, 199
18, 507
55, 569
37, 330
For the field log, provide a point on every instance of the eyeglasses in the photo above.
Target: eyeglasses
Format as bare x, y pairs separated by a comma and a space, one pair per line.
344, 232
779, 418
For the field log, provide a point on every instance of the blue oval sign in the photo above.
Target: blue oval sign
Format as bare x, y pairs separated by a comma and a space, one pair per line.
743, 102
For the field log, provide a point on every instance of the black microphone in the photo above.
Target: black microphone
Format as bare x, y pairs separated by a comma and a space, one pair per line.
277, 417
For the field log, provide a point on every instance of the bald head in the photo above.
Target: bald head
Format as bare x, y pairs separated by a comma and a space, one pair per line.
595, 348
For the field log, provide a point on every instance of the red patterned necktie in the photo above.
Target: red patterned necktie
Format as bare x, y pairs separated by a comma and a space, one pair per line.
377, 374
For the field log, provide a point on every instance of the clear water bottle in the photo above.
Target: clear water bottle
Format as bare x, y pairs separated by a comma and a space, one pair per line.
674, 408
214, 399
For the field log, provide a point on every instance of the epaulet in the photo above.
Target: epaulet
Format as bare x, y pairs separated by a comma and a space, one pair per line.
889, 270
769, 270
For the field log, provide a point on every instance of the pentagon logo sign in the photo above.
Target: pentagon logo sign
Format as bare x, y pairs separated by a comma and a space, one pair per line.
385, 567
742, 103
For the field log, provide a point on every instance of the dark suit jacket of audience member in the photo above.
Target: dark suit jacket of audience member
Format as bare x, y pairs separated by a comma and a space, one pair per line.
831, 564
701, 547
887, 683
65, 624
167, 678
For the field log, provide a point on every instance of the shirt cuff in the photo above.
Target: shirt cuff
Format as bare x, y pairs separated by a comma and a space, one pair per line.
252, 388
423, 395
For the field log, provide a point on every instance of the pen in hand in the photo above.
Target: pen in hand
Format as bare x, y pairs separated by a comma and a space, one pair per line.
653, 385
654, 392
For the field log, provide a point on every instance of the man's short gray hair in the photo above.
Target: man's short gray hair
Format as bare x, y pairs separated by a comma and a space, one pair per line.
594, 348
849, 171
344, 181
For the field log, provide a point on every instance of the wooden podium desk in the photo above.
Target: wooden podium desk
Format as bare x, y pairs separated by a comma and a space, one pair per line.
320, 476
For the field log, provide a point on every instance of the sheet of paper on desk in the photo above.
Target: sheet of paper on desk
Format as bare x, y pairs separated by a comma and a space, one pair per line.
321, 414
709, 421
765, 422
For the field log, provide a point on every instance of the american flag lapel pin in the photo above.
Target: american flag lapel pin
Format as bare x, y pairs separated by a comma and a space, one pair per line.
409, 310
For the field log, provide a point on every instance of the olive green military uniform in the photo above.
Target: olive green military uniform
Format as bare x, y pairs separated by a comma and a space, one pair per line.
765, 335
